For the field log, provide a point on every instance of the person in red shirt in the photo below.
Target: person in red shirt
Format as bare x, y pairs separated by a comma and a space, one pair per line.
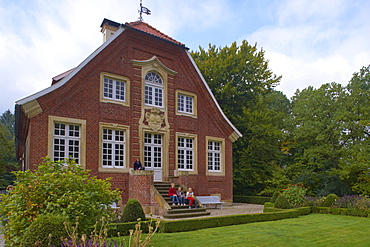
172, 194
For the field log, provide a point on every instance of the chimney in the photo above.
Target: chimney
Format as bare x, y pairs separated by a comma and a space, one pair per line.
108, 28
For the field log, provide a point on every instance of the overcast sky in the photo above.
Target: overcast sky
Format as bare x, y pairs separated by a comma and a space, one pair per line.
308, 42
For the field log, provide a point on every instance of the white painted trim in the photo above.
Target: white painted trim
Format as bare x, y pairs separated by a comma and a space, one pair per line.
73, 73
213, 97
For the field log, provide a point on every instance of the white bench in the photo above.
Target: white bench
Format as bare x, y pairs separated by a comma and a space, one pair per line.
207, 200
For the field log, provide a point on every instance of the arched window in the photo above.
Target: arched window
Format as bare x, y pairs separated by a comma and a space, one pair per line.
153, 89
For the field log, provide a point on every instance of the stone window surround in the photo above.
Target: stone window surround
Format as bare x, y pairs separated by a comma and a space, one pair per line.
222, 158
80, 122
113, 126
195, 154
195, 103
124, 79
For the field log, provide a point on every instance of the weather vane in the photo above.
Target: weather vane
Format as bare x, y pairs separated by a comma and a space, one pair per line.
144, 10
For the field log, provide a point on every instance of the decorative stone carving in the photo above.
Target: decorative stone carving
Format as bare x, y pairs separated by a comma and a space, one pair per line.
154, 117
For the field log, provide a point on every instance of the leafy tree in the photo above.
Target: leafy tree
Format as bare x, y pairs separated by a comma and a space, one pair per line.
319, 143
236, 76
355, 162
262, 153
243, 85
59, 188
7, 119
8, 161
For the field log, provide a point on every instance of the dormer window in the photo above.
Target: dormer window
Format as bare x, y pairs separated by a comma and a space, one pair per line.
153, 90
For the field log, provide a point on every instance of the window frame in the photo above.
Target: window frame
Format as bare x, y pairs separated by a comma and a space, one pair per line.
221, 141
82, 135
195, 152
153, 86
193, 96
113, 142
114, 77
126, 161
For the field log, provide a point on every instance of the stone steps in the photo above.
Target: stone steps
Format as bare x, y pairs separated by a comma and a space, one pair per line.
177, 211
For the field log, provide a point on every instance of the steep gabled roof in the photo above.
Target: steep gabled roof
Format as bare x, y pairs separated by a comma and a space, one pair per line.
142, 27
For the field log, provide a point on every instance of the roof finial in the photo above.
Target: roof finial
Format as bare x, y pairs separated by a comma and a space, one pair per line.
144, 10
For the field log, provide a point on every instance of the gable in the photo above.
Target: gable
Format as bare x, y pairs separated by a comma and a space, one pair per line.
143, 29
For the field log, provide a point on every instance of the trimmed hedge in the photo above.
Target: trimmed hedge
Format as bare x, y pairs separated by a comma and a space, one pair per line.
210, 222
252, 199
341, 211
122, 229
269, 205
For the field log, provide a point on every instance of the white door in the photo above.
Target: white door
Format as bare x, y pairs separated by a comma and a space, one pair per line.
153, 154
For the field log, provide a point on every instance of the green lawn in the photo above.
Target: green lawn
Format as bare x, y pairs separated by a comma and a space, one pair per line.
311, 230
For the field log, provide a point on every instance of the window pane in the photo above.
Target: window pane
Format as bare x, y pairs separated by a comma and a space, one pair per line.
113, 148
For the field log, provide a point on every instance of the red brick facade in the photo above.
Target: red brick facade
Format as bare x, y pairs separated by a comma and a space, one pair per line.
79, 98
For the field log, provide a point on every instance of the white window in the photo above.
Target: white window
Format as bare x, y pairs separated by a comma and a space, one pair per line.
113, 148
114, 89
185, 104
185, 153
152, 150
66, 141
214, 156
153, 89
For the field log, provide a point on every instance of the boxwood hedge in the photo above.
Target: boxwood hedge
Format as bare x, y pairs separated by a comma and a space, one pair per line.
252, 199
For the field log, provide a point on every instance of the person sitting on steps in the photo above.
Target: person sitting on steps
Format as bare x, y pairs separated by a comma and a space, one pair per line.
180, 196
172, 194
191, 197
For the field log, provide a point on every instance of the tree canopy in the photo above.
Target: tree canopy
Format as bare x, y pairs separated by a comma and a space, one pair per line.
319, 138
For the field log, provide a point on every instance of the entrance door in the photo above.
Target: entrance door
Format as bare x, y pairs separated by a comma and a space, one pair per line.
153, 154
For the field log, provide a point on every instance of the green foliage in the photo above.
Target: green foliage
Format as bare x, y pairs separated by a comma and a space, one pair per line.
252, 199
243, 85
282, 202
133, 211
274, 196
330, 200
341, 211
45, 229
209, 222
295, 194
61, 188
269, 205
8, 160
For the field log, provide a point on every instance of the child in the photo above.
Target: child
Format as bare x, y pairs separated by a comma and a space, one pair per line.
191, 197
180, 196
172, 194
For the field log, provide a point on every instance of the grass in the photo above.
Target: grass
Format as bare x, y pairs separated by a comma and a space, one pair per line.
310, 230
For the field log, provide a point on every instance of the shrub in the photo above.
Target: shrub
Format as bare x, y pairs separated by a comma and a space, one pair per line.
43, 226
295, 194
330, 200
251, 199
341, 211
59, 188
313, 201
133, 211
209, 222
282, 202
269, 205
353, 202
274, 196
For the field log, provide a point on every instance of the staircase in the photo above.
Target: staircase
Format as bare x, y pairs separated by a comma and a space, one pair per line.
177, 212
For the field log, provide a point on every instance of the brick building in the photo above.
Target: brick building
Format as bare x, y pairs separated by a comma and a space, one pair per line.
139, 95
